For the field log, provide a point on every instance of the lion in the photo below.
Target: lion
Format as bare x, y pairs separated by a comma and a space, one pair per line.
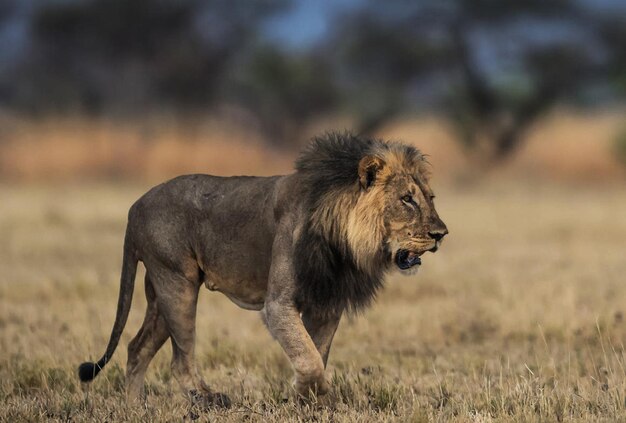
304, 249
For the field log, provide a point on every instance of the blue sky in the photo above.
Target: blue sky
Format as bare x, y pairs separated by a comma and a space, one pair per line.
300, 27
306, 22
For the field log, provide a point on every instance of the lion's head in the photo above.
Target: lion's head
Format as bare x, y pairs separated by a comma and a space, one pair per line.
368, 209
395, 194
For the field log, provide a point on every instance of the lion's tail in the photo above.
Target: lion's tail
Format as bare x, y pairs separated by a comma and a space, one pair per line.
89, 370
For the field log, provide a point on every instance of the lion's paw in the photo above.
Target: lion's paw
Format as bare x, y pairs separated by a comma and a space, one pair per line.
308, 386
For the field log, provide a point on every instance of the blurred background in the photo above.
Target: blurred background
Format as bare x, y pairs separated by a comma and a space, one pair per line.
148, 89
520, 105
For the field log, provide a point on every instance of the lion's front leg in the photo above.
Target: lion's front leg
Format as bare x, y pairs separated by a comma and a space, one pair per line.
322, 331
283, 318
285, 324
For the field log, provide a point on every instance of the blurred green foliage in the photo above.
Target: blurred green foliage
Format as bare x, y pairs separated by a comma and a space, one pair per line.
490, 67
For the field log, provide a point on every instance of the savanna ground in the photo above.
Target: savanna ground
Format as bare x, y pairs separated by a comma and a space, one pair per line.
520, 316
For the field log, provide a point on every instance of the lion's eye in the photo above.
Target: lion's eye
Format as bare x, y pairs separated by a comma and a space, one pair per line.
407, 199
432, 197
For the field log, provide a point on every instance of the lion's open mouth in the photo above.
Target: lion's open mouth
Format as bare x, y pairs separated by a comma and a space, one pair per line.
406, 259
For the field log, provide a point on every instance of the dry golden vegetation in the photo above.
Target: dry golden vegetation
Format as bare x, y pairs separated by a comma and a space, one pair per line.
565, 145
519, 317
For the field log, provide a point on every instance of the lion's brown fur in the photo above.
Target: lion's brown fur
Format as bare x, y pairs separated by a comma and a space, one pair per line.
304, 248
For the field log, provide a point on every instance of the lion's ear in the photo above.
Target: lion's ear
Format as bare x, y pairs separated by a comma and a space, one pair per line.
369, 167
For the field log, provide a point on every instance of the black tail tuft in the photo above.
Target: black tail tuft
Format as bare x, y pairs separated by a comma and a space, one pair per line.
88, 371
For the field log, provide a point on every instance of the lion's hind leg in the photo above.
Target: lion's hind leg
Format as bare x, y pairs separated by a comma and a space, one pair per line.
144, 346
177, 299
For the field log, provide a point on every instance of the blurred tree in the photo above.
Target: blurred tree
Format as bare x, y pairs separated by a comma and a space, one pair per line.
128, 56
613, 32
6, 10
284, 90
492, 67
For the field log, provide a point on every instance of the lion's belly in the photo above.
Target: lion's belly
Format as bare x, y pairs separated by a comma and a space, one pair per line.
248, 293
246, 305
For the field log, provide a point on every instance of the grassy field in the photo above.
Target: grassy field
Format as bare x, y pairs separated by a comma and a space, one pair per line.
563, 145
520, 316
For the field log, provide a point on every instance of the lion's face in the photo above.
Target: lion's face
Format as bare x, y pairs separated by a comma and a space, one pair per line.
412, 225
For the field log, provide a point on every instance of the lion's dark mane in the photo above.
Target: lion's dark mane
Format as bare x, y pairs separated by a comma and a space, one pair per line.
328, 281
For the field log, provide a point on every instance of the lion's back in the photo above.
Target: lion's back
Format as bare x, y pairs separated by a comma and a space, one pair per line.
205, 216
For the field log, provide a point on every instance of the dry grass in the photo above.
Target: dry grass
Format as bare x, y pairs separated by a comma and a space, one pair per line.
64, 149
564, 145
520, 317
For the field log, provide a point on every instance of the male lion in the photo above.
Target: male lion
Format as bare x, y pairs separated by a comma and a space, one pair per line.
304, 248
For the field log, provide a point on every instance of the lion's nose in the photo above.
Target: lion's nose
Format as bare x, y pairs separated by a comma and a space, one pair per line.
438, 234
